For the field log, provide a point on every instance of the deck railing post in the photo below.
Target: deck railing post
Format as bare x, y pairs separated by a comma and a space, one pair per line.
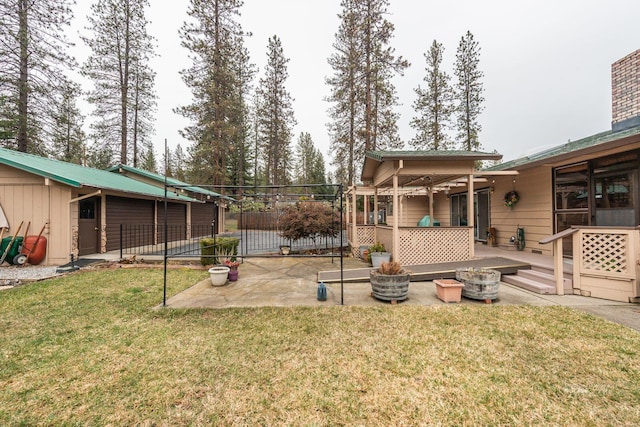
558, 267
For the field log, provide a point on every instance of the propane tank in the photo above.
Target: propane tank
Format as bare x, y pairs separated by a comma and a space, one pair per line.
322, 292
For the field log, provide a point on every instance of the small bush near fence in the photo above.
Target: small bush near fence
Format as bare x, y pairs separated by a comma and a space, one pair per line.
213, 251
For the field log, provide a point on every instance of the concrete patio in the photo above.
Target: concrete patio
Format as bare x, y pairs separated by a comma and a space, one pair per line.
289, 281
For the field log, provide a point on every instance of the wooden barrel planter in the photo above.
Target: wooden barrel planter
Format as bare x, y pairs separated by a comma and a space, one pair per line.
387, 287
480, 284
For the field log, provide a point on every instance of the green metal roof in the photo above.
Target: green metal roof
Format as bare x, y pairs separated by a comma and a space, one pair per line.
170, 181
569, 149
80, 176
431, 155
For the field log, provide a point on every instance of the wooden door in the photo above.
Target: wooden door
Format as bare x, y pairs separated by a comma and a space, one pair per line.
88, 226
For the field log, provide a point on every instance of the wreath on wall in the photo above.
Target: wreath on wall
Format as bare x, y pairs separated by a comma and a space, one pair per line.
511, 198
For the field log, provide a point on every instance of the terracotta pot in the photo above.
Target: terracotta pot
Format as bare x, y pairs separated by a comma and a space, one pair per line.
449, 290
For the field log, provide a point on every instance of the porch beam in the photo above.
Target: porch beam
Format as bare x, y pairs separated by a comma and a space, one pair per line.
496, 173
86, 196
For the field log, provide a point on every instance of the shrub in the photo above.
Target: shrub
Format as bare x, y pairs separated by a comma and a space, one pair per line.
390, 268
377, 247
214, 251
309, 220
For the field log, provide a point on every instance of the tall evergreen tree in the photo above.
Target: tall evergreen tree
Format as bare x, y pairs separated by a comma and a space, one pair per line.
309, 166
123, 96
275, 116
67, 135
179, 164
148, 160
468, 93
33, 56
214, 38
346, 113
434, 104
241, 153
362, 93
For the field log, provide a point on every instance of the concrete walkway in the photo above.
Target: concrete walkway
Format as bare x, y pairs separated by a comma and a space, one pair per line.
288, 281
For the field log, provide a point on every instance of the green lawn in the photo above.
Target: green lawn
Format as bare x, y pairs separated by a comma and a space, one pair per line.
90, 349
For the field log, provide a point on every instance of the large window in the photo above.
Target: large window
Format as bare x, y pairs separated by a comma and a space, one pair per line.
601, 192
571, 199
459, 210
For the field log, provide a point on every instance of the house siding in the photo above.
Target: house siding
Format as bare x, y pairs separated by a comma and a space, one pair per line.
25, 198
534, 211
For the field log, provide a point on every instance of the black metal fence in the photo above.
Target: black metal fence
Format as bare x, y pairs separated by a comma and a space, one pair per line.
149, 239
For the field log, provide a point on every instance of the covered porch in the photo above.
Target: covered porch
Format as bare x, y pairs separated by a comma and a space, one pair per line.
405, 204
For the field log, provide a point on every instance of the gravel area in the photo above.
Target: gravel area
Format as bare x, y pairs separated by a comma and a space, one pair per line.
14, 275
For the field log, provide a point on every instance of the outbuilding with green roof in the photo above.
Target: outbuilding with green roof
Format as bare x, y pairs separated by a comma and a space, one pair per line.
82, 208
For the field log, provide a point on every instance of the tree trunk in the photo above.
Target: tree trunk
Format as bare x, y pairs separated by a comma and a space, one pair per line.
23, 85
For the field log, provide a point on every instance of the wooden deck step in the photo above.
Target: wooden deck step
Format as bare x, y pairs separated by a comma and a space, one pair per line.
426, 272
538, 281
529, 284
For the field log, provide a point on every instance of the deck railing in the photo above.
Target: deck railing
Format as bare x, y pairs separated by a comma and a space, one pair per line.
604, 261
418, 245
427, 245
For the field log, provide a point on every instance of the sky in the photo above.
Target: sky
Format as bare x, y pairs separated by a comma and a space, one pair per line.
546, 63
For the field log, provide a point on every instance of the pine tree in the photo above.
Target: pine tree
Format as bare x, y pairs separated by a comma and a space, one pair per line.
433, 104
67, 135
275, 116
468, 93
123, 96
346, 94
362, 91
33, 57
214, 38
241, 153
148, 160
99, 156
179, 164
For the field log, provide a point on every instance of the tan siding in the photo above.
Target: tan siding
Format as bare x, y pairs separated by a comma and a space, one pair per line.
59, 225
441, 210
415, 208
9, 176
534, 211
40, 204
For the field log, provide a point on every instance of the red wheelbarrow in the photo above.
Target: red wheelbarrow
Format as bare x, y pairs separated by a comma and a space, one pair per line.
34, 249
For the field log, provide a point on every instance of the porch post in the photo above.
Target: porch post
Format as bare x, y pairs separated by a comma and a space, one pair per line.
375, 214
375, 206
354, 217
471, 215
431, 206
396, 214
558, 266
365, 220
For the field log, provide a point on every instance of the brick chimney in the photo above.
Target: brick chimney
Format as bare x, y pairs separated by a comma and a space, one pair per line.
625, 92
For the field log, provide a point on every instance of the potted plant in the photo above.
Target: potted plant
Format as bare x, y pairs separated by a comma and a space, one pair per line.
378, 254
285, 249
390, 282
233, 269
479, 283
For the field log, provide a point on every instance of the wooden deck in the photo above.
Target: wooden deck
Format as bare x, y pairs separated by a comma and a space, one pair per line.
426, 272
